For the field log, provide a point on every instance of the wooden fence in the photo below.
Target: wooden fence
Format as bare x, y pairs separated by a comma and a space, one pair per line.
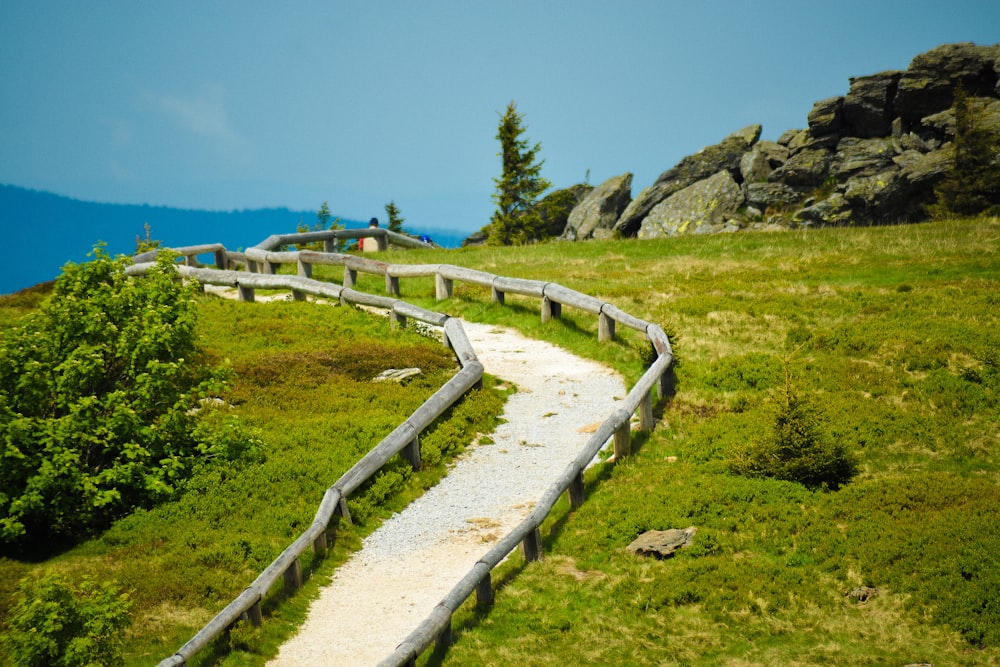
404, 440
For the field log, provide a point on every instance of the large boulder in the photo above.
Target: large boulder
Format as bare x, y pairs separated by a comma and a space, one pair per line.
724, 155
832, 211
703, 206
805, 168
596, 215
927, 86
861, 157
868, 110
758, 163
709, 160
763, 196
631, 218
826, 117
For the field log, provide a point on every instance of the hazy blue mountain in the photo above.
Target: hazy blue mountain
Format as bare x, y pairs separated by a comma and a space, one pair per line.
44, 231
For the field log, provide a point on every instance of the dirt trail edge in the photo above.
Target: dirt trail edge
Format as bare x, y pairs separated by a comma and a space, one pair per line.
412, 560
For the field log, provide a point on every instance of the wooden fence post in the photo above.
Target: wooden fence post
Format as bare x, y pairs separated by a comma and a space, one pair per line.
391, 285
350, 277
532, 545
320, 544
398, 319
623, 441
668, 386
254, 614
293, 576
605, 328
497, 296
221, 260
576, 495
411, 452
246, 293
305, 269
646, 412
344, 511
550, 309
442, 287
445, 639
484, 593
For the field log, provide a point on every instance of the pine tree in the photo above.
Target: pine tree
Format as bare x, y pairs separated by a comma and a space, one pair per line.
519, 186
973, 184
395, 219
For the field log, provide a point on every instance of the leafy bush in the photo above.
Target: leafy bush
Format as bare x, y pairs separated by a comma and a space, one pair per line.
99, 398
56, 624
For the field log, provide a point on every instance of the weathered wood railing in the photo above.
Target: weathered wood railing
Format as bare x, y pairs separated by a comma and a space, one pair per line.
405, 438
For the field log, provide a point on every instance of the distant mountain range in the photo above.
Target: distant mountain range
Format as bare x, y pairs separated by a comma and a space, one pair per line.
43, 231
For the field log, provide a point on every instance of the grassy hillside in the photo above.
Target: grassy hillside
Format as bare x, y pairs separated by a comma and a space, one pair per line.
891, 334
303, 385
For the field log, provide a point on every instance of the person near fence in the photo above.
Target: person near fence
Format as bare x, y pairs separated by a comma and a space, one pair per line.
369, 243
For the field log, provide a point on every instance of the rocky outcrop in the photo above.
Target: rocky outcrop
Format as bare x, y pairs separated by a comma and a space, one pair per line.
726, 154
701, 208
595, 216
870, 156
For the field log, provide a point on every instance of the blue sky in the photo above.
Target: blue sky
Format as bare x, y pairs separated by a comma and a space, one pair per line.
237, 105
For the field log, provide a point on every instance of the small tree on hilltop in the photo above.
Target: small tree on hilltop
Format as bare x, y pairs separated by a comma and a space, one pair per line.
395, 219
519, 186
323, 217
973, 184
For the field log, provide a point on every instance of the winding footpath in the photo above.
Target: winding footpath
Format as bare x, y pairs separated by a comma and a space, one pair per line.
412, 560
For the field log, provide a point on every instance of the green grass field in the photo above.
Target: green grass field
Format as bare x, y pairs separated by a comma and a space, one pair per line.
891, 335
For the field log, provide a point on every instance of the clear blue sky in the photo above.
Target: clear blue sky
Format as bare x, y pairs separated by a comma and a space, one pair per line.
245, 104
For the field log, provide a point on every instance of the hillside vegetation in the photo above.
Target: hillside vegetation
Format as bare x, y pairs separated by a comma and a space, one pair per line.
891, 335
888, 335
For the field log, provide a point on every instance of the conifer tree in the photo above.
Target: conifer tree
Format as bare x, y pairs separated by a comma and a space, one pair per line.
395, 219
519, 186
973, 184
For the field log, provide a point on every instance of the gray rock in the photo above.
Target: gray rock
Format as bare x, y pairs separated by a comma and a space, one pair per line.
868, 108
662, 543
724, 155
600, 209
758, 163
804, 140
709, 160
927, 86
788, 135
805, 168
861, 157
832, 211
827, 117
396, 374
631, 218
708, 202
772, 195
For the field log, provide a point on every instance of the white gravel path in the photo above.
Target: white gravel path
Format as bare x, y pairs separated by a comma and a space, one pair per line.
412, 560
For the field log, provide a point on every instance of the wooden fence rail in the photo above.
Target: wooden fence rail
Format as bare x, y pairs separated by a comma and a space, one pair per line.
404, 440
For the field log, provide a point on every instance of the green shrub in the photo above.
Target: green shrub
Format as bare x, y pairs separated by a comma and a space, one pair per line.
57, 624
99, 398
797, 448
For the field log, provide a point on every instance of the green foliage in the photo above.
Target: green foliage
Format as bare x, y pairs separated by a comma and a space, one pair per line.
323, 222
972, 186
147, 243
57, 624
395, 219
797, 447
519, 186
98, 398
